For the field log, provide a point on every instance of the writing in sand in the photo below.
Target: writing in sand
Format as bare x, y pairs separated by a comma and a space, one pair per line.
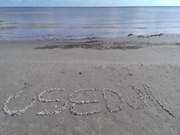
81, 102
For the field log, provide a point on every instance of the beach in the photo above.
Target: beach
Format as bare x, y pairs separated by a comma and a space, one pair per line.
119, 86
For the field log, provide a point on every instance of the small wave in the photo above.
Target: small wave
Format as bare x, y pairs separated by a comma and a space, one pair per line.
7, 27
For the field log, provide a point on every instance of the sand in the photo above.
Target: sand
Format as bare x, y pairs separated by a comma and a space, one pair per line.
141, 96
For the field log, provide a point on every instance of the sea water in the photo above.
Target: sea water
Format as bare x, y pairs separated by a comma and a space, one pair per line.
56, 23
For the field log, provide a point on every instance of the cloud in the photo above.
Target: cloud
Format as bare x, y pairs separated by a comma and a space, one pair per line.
170, 2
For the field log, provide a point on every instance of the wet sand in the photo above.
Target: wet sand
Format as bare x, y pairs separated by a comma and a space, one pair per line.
142, 75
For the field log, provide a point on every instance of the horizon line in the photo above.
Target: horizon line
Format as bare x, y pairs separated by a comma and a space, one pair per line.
81, 6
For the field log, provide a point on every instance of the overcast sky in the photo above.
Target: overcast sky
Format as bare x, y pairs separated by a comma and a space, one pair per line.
89, 2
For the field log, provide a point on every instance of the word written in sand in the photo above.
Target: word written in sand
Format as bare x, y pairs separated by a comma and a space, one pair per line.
83, 102
87, 98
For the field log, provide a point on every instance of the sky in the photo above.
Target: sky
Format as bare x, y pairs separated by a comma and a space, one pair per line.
78, 3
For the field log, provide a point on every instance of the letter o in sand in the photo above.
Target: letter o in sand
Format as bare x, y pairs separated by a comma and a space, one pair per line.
19, 111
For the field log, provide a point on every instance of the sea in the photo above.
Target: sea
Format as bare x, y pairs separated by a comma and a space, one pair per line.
39, 23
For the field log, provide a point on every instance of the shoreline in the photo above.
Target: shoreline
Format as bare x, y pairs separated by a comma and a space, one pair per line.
131, 41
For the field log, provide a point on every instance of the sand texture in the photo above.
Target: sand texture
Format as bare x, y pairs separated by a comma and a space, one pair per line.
91, 91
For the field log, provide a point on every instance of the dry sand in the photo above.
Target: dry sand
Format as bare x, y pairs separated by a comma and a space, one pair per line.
147, 79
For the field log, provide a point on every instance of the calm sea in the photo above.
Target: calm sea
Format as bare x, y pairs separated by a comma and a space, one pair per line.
56, 23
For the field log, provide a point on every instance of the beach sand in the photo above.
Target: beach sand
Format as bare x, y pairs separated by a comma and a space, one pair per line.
147, 78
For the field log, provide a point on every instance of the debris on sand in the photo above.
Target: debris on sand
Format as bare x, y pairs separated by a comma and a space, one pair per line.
89, 43
152, 35
130, 35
